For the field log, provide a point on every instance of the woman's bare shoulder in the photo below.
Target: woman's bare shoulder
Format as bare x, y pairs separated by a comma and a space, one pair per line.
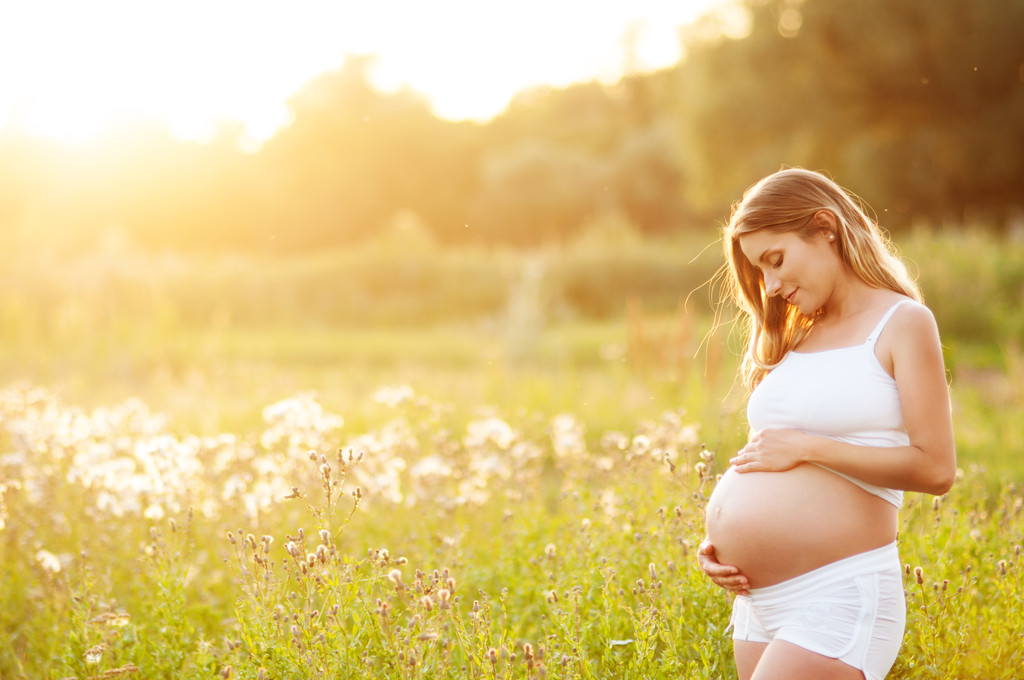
913, 336
914, 319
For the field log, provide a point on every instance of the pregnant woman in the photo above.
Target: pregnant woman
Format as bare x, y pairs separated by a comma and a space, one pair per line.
848, 407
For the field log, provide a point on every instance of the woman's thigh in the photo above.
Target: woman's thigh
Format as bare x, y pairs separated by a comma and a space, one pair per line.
747, 654
782, 660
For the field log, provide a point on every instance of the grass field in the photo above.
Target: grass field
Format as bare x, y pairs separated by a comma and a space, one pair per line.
512, 496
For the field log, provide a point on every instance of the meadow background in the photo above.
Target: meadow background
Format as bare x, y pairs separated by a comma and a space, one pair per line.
406, 398
532, 474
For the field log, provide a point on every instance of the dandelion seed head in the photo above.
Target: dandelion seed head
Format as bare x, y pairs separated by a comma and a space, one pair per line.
609, 503
614, 442
393, 397
641, 444
567, 436
490, 431
431, 467
154, 511
688, 435
49, 562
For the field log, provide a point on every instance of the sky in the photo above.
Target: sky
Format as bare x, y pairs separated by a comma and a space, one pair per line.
70, 69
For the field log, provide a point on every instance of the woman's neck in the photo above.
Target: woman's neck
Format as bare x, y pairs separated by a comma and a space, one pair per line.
850, 296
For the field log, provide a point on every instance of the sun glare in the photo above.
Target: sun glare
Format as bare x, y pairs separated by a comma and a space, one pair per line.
86, 66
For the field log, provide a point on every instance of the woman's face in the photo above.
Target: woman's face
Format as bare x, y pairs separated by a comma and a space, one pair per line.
802, 272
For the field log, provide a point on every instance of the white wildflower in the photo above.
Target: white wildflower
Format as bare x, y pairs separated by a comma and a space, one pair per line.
394, 396
48, 561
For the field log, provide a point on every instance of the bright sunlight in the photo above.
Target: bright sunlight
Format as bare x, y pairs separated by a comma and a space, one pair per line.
86, 66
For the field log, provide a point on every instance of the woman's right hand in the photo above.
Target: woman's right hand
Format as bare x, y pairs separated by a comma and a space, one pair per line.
722, 575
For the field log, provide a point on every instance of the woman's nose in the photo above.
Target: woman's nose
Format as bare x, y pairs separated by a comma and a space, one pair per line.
771, 284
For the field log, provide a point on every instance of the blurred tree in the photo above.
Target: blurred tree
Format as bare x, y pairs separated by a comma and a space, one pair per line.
354, 156
647, 179
537, 193
918, 107
626, 156
586, 116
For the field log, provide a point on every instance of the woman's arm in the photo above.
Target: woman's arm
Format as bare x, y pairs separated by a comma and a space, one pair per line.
927, 465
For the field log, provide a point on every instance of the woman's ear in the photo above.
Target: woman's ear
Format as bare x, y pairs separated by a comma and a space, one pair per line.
827, 225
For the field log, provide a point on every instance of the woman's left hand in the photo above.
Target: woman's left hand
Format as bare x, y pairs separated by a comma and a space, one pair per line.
772, 451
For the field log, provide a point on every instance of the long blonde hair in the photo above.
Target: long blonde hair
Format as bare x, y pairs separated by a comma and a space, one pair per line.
787, 201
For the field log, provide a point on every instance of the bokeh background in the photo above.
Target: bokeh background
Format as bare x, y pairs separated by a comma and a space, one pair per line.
241, 197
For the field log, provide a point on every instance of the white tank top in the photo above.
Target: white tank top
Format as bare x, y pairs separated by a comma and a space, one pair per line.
843, 394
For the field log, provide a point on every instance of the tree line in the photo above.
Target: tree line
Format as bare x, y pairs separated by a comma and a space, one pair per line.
917, 106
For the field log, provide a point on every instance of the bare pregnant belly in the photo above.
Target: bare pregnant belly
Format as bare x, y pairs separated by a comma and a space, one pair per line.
777, 525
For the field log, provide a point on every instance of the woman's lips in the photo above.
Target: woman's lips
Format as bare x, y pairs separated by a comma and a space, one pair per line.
789, 298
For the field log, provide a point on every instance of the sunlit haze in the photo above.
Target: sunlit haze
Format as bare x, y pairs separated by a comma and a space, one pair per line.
75, 68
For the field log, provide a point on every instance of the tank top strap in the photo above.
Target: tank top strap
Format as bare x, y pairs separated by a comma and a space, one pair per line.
873, 337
